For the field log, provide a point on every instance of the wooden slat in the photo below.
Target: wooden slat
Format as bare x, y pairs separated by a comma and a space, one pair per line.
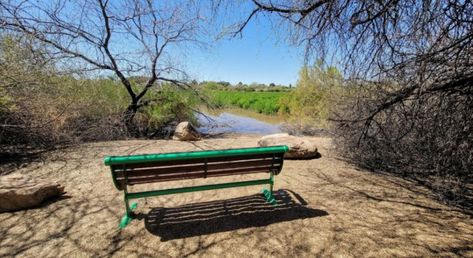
195, 161
200, 173
192, 176
196, 168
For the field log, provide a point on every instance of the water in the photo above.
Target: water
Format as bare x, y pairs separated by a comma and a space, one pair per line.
239, 121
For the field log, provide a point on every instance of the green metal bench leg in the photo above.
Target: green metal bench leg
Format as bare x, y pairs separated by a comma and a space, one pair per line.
129, 211
268, 194
128, 216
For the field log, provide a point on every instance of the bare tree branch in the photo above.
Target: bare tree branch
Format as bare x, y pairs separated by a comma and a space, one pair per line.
129, 38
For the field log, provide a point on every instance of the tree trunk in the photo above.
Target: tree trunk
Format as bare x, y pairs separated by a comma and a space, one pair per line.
129, 120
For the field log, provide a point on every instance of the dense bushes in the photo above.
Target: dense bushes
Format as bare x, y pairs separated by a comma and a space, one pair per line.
60, 110
169, 104
412, 113
70, 110
41, 107
317, 92
427, 138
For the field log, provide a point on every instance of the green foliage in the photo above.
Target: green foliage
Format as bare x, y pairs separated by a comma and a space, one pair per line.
41, 107
18, 66
261, 102
314, 96
311, 102
226, 86
95, 97
168, 104
211, 86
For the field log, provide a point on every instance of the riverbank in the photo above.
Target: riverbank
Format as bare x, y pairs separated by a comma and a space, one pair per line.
240, 121
326, 207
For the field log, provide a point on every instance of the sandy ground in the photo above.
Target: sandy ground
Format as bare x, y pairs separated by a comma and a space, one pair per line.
326, 207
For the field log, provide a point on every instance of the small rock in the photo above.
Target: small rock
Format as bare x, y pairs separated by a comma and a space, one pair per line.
21, 192
185, 131
299, 148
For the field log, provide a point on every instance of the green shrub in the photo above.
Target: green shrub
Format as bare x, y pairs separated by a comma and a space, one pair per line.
173, 104
314, 97
261, 102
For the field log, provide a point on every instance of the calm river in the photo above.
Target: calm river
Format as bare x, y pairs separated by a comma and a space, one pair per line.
239, 121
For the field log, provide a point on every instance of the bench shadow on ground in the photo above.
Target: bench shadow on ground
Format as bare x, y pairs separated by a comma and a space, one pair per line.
226, 215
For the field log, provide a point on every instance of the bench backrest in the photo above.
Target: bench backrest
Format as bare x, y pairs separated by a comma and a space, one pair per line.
149, 168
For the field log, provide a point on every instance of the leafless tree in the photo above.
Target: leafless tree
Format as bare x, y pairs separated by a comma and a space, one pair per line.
124, 38
412, 62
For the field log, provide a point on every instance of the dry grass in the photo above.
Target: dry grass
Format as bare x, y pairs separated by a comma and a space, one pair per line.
325, 208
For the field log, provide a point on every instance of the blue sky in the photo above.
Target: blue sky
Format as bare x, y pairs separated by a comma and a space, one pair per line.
257, 56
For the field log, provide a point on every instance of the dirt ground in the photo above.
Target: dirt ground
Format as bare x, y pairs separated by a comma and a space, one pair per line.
326, 207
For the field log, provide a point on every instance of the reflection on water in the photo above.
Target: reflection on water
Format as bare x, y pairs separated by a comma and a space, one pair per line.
239, 121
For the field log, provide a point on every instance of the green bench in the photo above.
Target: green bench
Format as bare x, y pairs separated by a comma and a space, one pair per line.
151, 168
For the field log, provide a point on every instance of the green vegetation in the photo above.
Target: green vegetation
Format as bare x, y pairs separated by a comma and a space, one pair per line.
256, 87
68, 109
262, 102
262, 98
311, 102
170, 104
317, 92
